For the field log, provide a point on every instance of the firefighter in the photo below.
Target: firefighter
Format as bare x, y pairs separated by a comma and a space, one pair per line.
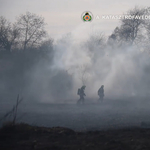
81, 94
101, 93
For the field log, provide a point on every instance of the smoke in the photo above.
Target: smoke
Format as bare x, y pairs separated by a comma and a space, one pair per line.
76, 59
91, 61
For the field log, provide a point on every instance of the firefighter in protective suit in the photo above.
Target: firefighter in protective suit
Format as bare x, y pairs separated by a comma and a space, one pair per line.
81, 94
101, 93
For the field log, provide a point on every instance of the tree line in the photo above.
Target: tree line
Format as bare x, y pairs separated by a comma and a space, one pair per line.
132, 32
28, 32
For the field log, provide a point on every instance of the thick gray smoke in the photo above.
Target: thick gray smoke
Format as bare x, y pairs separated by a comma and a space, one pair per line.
123, 71
76, 59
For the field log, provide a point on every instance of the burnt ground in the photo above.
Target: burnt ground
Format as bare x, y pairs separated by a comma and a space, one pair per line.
90, 116
112, 125
26, 137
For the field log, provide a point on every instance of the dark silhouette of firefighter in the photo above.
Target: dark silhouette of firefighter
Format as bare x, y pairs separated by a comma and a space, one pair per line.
81, 94
101, 93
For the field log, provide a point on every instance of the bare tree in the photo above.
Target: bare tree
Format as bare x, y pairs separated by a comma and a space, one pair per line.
81, 71
130, 29
32, 30
114, 39
83, 74
96, 41
147, 22
8, 34
144, 41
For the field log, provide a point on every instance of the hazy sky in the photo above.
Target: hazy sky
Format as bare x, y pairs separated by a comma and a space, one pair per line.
63, 16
